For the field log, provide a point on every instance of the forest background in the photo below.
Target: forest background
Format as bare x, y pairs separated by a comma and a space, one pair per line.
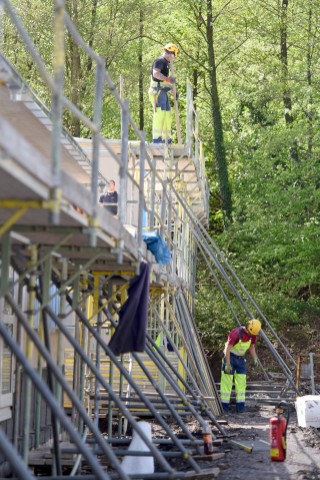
255, 72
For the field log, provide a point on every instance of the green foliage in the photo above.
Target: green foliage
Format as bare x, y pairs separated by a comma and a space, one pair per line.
273, 243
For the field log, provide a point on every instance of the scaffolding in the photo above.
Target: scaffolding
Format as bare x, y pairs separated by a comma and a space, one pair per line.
67, 265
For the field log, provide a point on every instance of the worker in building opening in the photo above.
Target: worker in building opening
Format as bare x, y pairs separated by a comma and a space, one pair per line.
240, 340
161, 84
110, 199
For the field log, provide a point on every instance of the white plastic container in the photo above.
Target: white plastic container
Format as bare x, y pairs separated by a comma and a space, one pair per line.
136, 465
308, 411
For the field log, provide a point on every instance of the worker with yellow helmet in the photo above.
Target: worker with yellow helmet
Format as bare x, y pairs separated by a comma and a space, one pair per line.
240, 340
161, 83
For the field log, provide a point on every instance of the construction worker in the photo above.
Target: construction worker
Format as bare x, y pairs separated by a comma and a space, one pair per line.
110, 198
161, 83
240, 340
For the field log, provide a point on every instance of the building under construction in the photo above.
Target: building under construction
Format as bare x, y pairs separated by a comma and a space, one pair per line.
97, 317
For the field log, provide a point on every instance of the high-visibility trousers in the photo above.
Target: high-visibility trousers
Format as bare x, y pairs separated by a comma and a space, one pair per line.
239, 376
162, 118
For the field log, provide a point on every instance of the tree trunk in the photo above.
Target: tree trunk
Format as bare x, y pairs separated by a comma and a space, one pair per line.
140, 62
284, 63
195, 85
287, 101
89, 64
309, 79
75, 66
91, 35
220, 154
195, 72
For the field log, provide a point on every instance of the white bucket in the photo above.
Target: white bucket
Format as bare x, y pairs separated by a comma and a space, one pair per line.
308, 411
131, 464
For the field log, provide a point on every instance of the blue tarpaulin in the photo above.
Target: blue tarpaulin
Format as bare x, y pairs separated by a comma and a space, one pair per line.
157, 246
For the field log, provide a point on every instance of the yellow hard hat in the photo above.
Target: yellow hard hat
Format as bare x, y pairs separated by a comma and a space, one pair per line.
171, 48
254, 326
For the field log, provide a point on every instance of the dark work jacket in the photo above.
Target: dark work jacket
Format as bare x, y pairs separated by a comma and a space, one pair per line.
130, 334
110, 197
161, 64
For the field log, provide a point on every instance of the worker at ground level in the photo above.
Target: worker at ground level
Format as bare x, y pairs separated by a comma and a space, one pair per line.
240, 340
161, 83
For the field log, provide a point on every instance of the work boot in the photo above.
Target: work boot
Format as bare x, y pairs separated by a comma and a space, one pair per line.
240, 409
225, 407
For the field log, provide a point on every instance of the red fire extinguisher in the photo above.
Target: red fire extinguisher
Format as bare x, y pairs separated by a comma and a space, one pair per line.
278, 432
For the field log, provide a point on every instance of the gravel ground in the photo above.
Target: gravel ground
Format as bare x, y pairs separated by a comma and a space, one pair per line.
251, 429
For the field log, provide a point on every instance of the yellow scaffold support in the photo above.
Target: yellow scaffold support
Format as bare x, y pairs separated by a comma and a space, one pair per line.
22, 207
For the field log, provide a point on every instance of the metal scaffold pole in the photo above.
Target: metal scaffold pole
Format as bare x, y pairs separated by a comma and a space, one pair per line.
56, 108
29, 352
204, 241
69, 406
98, 102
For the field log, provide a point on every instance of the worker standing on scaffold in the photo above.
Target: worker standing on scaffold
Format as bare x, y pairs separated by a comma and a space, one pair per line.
161, 83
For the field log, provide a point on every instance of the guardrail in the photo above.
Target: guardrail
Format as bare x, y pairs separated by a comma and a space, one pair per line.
151, 212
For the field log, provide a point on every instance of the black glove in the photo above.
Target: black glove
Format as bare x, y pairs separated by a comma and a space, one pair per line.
177, 95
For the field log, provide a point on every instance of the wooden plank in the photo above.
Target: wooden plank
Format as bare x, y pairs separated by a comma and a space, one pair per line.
204, 474
32, 173
211, 457
23, 153
32, 123
31, 161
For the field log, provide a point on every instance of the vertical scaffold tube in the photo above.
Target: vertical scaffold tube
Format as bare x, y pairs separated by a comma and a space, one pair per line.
98, 366
98, 101
29, 351
141, 189
56, 109
76, 363
124, 161
45, 284
84, 344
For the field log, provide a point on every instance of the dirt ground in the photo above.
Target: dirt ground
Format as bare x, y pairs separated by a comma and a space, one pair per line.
252, 429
